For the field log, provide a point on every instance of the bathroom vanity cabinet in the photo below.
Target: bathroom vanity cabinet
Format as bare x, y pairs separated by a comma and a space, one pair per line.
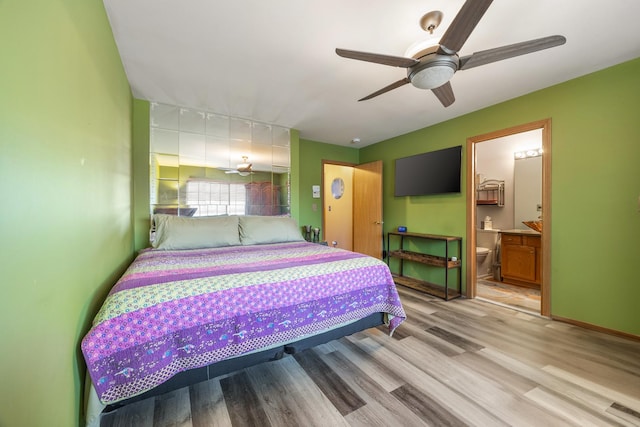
450, 262
521, 258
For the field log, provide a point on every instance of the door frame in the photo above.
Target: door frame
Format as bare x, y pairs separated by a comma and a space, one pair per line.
471, 276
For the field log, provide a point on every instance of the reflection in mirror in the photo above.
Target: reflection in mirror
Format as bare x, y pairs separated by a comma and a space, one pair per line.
205, 164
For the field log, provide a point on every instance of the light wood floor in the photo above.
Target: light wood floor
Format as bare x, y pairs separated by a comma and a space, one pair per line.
519, 297
462, 362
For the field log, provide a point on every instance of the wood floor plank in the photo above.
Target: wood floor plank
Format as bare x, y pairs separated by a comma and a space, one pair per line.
425, 408
384, 376
454, 339
511, 380
624, 413
340, 394
413, 301
509, 335
444, 395
579, 394
387, 407
243, 404
374, 415
473, 385
138, 414
173, 409
442, 345
291, 398
419, 318
568, 413
630, 400
208, 407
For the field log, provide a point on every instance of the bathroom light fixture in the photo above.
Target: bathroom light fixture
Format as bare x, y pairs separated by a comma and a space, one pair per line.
527, 153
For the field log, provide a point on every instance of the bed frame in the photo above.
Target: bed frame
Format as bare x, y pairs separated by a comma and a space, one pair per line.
205, 373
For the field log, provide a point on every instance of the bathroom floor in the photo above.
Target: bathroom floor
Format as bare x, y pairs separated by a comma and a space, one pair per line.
518, 297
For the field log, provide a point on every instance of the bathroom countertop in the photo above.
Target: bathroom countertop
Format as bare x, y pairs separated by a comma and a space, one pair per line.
519, 231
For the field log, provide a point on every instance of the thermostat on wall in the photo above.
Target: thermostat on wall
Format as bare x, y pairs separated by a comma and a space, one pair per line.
402, 229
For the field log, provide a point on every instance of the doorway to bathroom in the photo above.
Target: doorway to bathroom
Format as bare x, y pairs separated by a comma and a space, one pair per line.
508, 261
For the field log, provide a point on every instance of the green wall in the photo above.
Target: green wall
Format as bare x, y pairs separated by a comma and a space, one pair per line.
311, 155
65, 226
595, 189
141, 173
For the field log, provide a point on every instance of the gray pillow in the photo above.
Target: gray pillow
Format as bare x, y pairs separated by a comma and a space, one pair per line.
181, 232
256, 230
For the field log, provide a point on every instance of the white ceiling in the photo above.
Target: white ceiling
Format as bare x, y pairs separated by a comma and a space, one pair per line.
275, 62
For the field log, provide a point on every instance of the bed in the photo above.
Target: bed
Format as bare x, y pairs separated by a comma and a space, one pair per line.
218, 294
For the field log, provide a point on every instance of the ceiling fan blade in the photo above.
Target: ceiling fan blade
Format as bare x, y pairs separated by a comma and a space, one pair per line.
387, 89
462, 25
395, 61
505, 52
445, 94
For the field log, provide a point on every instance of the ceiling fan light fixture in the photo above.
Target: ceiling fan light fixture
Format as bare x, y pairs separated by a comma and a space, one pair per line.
244, 168
431, 67
434, 75
245, 164
422, 47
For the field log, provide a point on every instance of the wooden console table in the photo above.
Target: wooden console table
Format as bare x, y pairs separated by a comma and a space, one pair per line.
448, 261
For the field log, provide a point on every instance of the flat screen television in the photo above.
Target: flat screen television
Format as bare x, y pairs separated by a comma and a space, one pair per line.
435, 172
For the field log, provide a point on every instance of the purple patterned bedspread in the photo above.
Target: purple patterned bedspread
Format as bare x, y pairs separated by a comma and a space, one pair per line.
176, 310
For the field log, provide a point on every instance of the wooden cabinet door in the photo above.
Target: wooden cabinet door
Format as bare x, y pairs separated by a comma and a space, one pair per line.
519, 262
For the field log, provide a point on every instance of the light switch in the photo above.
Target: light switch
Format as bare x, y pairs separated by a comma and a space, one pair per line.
315, 189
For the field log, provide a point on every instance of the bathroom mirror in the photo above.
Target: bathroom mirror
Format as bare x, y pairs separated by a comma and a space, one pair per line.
527, 196
204, 164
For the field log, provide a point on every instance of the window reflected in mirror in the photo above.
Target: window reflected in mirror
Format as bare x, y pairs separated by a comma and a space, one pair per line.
206, 164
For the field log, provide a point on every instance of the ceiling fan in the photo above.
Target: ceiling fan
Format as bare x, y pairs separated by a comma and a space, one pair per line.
244, 168
433, 67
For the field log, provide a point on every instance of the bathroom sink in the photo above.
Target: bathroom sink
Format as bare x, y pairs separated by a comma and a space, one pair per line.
534, 225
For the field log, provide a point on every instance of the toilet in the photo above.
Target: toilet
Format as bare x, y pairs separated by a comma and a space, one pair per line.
486, 241
482, 252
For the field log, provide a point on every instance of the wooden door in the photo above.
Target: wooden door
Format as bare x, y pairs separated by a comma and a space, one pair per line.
337, 201
367, 209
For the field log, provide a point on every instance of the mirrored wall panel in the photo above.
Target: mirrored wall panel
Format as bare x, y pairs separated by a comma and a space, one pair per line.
206, 164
